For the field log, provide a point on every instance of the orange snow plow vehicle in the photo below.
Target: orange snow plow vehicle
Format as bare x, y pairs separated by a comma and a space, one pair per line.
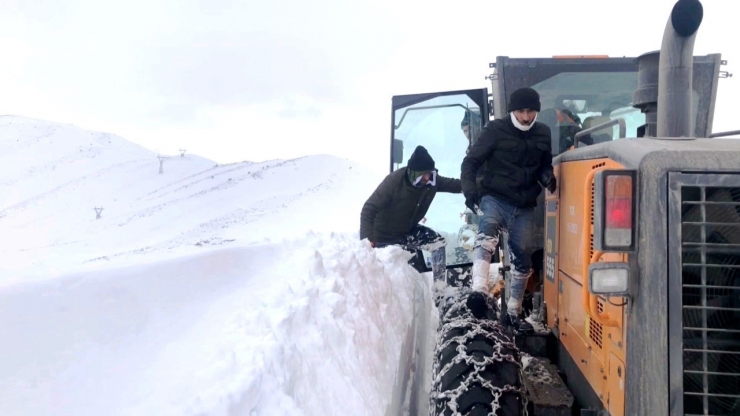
637, 279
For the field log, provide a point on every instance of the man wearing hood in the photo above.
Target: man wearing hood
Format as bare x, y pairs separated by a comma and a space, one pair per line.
470, 126
516, 156
392, 214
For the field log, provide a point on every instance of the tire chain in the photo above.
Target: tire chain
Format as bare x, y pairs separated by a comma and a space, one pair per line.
455, 315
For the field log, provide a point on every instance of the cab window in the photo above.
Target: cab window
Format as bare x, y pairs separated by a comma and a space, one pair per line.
575, 101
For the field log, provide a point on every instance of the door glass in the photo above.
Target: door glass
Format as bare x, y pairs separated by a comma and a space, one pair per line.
436, 124
580, 94
575, 101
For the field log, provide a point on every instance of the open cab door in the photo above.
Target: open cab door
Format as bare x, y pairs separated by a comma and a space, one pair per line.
444, 123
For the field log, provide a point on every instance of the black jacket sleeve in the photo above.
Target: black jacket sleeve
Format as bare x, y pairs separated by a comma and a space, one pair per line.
476, 157
449, 185
377, 201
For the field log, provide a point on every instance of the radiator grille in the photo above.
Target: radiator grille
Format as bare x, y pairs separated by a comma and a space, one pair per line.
710, 244
595, 329
591, 253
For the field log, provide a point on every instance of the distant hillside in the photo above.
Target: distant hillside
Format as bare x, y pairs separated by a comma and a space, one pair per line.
52, 176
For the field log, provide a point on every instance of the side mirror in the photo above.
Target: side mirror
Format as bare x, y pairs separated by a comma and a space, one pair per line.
397, 154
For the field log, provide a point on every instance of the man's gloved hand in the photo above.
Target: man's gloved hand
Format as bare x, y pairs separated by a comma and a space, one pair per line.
471, 200
551, 184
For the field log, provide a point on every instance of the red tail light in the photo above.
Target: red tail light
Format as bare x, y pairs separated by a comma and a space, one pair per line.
614, 206
618, 230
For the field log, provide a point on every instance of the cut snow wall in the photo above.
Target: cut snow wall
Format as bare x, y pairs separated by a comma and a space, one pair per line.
411, 392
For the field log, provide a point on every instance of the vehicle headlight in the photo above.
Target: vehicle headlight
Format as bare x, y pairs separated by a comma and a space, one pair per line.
609, 278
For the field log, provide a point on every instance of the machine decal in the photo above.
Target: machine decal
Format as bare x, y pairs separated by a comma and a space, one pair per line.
551, 248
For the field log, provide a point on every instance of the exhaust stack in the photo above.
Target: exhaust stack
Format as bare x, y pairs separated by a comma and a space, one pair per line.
676, 69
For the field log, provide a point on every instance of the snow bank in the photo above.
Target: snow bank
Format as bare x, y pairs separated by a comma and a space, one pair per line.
315, 326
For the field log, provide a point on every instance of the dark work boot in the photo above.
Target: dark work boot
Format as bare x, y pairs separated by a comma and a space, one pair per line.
520, 325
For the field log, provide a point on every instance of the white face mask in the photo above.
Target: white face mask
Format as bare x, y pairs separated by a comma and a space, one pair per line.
519, 125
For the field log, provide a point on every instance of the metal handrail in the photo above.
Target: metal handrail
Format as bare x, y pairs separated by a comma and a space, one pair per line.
397, 126
610, 123
725, 134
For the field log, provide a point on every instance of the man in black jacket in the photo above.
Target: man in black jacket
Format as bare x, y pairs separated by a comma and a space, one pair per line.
392, 214
516, 156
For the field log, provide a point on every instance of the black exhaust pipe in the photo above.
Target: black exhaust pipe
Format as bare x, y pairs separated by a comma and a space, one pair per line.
675, 118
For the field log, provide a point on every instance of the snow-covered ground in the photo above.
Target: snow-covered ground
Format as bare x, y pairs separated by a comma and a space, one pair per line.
209, 289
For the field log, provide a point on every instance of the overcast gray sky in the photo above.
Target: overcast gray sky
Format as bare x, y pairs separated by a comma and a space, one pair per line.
256, 80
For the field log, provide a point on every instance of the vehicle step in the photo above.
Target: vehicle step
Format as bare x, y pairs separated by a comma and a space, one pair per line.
547, 393
534, 344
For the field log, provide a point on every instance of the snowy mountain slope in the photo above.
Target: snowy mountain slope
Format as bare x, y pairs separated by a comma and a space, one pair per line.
49, 200
37, 156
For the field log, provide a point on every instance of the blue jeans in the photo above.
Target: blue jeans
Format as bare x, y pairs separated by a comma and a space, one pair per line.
499, 215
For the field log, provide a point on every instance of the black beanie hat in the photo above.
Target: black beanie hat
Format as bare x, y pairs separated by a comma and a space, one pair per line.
420, 161
524, 98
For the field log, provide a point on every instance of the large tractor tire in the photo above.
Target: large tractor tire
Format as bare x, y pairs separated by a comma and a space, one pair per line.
477, 368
